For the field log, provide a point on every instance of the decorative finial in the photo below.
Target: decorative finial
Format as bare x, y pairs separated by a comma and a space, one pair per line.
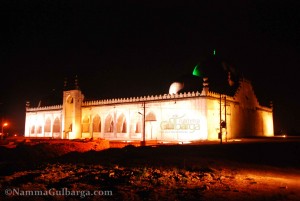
205, 81
65, 83
76, 82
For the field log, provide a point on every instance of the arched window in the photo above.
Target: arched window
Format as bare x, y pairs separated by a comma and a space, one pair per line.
121, 124
109, 124
150, 117
97, 124
138, 127
70, 100
39, 129
111, 127
47, 126
32, 130
124, 126
56, 125
85, 124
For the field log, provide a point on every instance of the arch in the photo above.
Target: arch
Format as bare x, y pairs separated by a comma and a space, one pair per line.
138, 127
39, 129
32, 129
97, 124
109, 124
70, 99
86, 124
124, 126
150, 117
56, 125
47, 126
121, 124
68, 116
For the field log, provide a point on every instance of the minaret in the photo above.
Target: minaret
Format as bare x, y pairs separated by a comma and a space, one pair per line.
205, 87
71, 117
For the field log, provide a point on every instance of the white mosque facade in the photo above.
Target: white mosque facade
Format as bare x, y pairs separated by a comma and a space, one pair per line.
176, 116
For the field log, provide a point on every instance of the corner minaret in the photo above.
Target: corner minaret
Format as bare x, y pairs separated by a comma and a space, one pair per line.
205, 87
71, 118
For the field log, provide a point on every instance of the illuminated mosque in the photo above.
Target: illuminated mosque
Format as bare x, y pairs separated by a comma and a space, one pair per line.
212, 102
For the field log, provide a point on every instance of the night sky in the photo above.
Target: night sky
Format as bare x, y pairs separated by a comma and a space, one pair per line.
121, 49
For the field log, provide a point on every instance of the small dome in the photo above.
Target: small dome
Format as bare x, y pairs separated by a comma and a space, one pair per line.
186, 83
176, 87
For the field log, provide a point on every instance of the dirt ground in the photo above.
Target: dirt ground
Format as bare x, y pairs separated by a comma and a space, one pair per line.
65, 170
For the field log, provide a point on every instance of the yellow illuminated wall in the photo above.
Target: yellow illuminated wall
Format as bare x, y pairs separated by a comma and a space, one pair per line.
182, 120
36, 120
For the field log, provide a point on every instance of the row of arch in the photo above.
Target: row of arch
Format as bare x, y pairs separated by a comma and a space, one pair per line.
120, 124
48, 127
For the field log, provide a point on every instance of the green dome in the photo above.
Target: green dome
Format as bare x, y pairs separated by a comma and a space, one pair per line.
196, 71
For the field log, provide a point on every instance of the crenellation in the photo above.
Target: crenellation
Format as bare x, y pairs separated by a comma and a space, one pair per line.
53, 107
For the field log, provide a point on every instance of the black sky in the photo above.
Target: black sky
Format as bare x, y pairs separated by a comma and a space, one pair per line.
136, 48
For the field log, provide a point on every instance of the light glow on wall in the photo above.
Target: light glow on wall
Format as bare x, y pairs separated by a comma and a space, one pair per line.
268, 124
184, 122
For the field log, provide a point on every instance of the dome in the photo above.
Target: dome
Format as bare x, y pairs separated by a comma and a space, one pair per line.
186, 83
176, 87
222, 77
